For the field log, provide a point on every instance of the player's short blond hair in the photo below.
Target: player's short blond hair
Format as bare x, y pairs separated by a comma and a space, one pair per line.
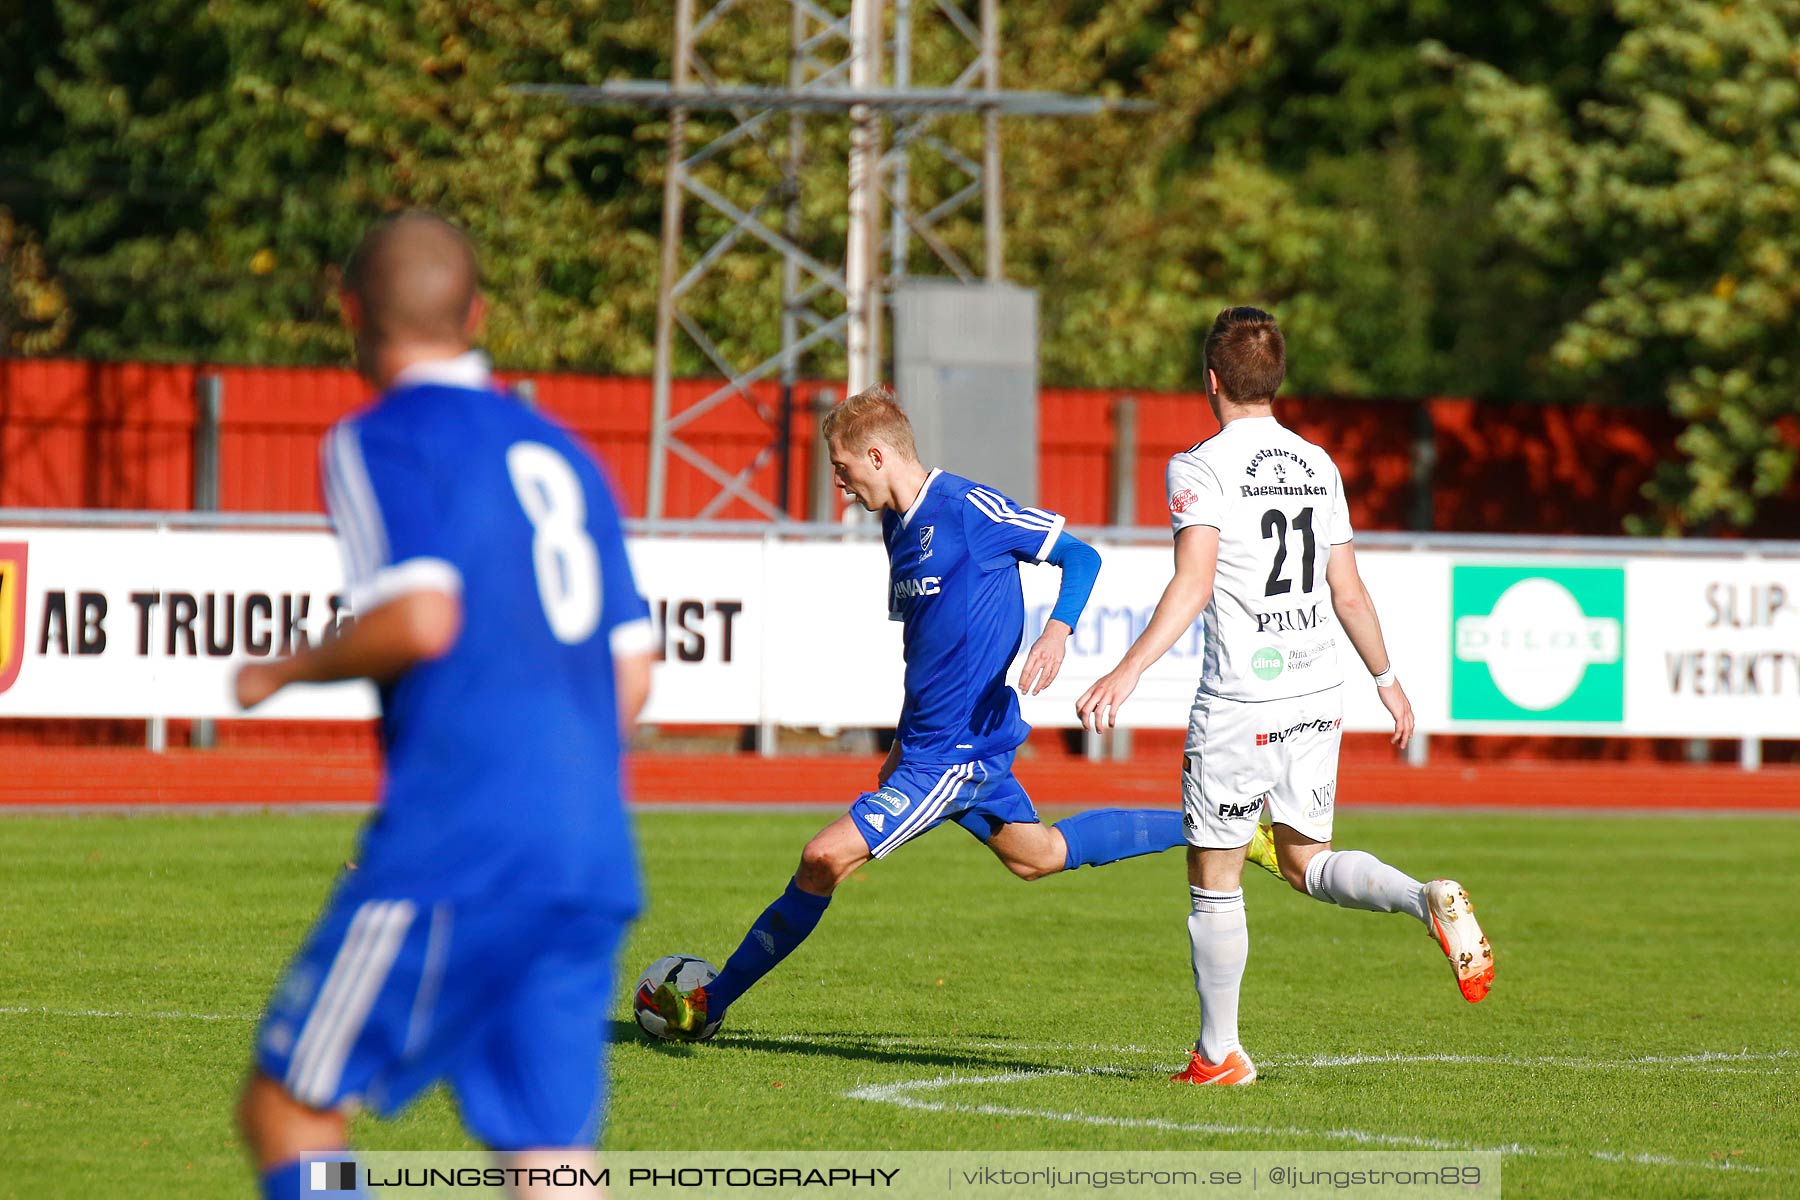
869, 417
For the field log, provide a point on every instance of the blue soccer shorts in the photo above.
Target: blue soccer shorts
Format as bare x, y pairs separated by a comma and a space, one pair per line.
980, 796
506, 1003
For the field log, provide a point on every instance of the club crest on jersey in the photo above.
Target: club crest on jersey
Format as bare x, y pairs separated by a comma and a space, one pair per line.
925, 542
12, 611
1179, 502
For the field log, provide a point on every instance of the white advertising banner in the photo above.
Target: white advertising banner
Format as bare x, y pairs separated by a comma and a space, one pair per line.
139, 623
1712, 647
709, 602
834, 657
142, 623
1410, 589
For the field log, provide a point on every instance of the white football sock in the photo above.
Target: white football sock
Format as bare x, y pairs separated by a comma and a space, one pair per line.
1357, 879
1220, 938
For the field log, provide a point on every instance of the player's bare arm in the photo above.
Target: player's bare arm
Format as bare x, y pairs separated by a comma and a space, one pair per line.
1046, 658
1080, 566
1187, 594
1356, 615
631, 676
407, 630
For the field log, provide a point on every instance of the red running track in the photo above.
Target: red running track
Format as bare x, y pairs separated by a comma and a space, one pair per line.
79, 777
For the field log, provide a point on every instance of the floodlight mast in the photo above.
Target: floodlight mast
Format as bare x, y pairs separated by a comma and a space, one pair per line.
835, 65
862, 345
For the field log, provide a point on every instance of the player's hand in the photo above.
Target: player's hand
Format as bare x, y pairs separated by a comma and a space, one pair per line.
255, 683
1099, 705
1400, 708
1045, 659
888, 764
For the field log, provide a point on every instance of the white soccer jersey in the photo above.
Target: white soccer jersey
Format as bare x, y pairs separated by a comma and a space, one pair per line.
1277, 501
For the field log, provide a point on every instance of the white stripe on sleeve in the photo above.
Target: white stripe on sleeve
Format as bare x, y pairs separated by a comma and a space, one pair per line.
633, 637
421, 574
354, 479
1056, 528
999, 511
350, 535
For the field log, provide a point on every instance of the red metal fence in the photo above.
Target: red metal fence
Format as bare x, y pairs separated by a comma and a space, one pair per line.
121, 435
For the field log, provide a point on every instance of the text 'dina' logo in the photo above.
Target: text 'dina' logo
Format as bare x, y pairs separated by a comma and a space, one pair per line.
1538, 644
12, 611
1266, 663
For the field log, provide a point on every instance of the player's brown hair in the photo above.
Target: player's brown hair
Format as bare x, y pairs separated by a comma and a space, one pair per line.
875, 414
1246, 351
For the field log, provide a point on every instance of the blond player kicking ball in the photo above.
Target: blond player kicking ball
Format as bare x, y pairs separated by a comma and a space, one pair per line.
1262, 544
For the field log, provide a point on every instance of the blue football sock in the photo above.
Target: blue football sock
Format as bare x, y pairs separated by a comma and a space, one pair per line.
782, 926
292, 1181
1104, 835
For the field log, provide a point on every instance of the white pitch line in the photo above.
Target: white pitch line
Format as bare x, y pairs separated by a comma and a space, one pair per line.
901, 1095
1700, 1061
17, 1010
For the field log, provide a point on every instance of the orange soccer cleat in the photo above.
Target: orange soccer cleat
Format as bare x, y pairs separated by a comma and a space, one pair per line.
1453, 924
1237, 1068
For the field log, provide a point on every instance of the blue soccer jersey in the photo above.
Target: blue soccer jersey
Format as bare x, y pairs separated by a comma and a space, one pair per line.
953, 579
502, 757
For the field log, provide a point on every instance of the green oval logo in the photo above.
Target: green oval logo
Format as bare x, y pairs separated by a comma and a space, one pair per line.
1266, 663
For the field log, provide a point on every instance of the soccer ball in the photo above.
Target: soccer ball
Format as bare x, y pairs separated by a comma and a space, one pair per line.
687, 973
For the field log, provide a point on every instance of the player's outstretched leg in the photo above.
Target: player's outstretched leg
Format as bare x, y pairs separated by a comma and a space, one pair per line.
1219, 936
278, 1129
1261, 850
1459, 936
1108, 835
1357, 879
773, 936
828, 859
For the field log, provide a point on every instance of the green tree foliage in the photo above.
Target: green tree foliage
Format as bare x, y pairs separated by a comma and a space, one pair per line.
34, 309
1681, 180
1134, 241
1345, 111
197, 170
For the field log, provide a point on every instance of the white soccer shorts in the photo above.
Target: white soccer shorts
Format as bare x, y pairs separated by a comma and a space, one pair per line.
1242, 756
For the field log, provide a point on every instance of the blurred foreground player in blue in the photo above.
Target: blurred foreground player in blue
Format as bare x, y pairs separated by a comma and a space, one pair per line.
954, 549
496, 609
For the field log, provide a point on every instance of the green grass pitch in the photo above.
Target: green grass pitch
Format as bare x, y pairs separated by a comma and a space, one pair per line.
1642, 1039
